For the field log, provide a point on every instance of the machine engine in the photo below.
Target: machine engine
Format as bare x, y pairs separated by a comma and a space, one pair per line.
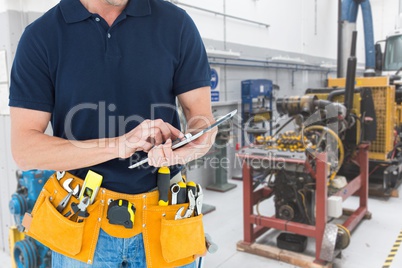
28, 253
326, 120
294, 201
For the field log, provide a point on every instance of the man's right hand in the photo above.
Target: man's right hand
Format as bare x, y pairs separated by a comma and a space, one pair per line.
145, 136
33, 149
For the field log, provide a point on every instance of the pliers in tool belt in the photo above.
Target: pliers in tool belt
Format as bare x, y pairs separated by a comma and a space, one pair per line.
195, 204
79, 211
198, 201
190, 209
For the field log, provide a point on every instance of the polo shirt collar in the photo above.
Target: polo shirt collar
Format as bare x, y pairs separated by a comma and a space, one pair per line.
73, 11
138, 8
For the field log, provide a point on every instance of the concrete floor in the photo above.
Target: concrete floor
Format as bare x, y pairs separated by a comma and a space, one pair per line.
370, 245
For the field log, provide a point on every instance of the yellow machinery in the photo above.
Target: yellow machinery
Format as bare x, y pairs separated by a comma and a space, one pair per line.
384, 169
385, 110
382, 119
14, 236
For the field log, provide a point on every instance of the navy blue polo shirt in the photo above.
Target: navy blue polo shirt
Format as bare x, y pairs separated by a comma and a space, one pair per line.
99, 81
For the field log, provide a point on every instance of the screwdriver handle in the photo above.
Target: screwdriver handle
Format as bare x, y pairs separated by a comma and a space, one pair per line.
182, 194
163, 183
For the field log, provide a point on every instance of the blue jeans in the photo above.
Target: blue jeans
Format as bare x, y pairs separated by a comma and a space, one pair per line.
111, 252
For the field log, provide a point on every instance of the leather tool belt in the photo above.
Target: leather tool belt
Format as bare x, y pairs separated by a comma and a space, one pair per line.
167, 242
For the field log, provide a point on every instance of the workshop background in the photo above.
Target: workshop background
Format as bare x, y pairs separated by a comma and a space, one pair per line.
291, 43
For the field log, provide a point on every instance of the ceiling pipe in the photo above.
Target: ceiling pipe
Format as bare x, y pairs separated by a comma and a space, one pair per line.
220, 13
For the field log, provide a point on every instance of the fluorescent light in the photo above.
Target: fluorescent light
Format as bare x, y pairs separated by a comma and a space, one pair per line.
287, 59
222, 53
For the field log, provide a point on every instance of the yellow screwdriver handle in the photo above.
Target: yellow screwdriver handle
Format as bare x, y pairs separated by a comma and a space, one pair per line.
163, 183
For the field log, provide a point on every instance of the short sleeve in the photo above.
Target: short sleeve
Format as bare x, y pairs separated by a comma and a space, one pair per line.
31, 86
193, 69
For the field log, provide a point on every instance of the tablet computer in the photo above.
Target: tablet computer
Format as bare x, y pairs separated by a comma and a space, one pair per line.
189, 137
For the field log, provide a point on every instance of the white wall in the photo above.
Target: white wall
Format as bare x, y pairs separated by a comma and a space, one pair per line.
31, 5
385, 16
8, 181
3, 5
294, 26
307, 27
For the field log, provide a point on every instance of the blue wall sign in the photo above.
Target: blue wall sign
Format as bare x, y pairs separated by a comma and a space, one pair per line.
214, 78
214, 95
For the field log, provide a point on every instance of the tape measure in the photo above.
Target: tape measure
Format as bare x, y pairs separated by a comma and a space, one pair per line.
121, 212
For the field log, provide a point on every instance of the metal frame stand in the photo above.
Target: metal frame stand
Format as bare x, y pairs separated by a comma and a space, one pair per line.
255, 225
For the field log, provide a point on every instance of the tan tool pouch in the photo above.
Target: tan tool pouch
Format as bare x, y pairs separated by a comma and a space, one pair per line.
51, 228
169, 242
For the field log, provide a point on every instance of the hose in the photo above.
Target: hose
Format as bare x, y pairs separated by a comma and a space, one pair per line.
339, 92
320, 104
349, 13
286, 123
340, 145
